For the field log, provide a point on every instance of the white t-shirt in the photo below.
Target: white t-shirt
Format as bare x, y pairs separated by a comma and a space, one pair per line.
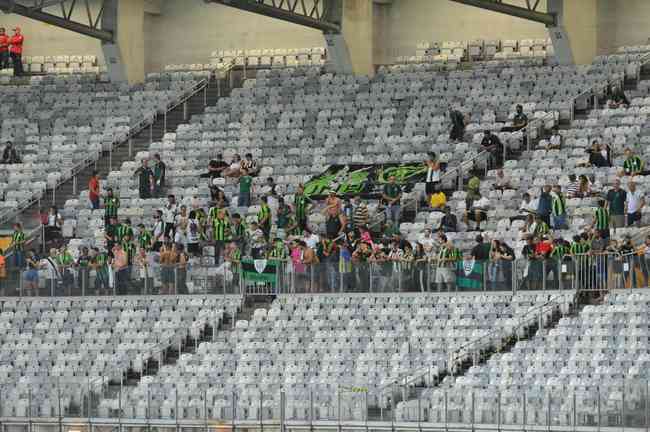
158, 230
312, 241
530, 206
192, 231
634, 201
427, 243
169, 213
556, 140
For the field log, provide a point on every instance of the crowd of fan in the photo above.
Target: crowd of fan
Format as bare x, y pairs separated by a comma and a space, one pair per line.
179, 234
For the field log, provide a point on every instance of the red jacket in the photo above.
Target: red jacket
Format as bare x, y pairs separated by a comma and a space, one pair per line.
16, 42
4, 43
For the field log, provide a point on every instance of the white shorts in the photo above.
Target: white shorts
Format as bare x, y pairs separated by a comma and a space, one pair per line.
444, 275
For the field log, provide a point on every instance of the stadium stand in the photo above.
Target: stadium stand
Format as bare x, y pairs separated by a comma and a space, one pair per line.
213, 323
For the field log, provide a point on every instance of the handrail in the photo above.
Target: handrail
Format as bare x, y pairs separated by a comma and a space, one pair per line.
460, 353
133, 131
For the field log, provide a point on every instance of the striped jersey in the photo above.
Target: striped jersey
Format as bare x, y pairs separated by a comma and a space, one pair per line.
111, 204
558, 205
265, 212
220, 229
602, 218
18, 240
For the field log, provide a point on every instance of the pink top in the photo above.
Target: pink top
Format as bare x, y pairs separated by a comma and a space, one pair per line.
296, 258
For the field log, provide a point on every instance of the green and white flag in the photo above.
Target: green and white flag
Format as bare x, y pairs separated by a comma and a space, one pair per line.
260, 270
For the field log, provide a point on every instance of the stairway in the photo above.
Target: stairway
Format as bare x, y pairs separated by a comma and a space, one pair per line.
107, 162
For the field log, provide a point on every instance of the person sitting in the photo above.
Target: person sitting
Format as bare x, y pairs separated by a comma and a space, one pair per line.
10, 155
501, 183
555, 141
493, 144
617, 98
599, 155
527, 207
519, 121
438, 199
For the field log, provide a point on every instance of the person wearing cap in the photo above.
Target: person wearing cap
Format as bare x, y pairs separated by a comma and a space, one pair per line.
4, 49
16, 51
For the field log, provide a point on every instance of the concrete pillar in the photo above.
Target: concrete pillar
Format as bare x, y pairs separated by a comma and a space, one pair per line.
125, 58
581, 22
358, 34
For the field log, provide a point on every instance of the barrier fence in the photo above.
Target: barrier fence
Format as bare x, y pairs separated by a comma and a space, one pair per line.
585, 272
84, 405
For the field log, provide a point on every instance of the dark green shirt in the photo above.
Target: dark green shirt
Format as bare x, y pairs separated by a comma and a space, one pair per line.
111, 204
300, 203
616, 200
245, 183
392, 190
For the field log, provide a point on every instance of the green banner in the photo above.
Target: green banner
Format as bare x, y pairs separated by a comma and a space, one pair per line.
265, 271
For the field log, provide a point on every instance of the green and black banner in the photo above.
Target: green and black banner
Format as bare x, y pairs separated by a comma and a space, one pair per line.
260, 270
365, 180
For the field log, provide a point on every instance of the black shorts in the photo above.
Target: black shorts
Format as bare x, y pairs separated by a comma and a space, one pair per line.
194, 249
429, 187
156, 246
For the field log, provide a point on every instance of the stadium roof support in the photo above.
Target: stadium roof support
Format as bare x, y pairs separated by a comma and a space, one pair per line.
324, 15
91, 25
528, 11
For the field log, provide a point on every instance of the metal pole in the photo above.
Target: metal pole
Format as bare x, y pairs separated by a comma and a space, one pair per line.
165, 123
130, 146
185, 110
54, 194
150, 132
205, 95
283, 427
74, 184
110, 159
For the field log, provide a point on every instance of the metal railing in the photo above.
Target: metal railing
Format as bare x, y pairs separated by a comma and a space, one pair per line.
597, 272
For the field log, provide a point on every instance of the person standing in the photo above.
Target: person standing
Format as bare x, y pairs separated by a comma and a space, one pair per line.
18, 245
111, 205
146, 180
245, 185
616, 198
16, 51
121, 269
392, 195
93, 190
601, 219
264, 217
159, 171
558, 208
4, 49
635, 203
220, 234
301, 206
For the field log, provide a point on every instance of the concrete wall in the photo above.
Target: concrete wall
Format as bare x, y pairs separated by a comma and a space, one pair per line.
130, 31
188, 31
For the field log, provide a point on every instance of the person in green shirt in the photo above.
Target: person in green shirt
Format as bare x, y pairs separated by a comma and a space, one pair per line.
301, 206
110, 233
124, 229
65, 262
130, 249
633, 164
245, 189
264, 217
111, 205
159, 172
283, 214
83, 267
99, 263
616, 198
601, 219
144, 237
392, 195
220, 234
18, 245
